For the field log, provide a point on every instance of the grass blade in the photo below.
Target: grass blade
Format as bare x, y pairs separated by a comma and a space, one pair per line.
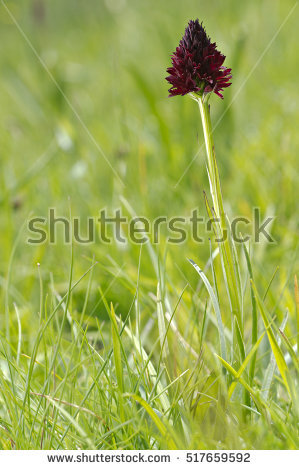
158, 422
280, 361
243, 366
271, 368
254, 326
117, 360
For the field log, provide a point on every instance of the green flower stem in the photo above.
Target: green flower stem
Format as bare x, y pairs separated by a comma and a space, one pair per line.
212, 167
228, 256
221, 226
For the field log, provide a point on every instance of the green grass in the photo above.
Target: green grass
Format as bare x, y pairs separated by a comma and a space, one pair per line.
112, 347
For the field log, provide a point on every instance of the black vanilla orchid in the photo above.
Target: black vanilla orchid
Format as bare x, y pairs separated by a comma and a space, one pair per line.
197, 68
197, 64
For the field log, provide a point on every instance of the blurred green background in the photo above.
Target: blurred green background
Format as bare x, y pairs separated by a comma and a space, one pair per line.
109, 58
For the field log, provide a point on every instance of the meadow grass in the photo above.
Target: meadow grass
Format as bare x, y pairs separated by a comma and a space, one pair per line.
130, 347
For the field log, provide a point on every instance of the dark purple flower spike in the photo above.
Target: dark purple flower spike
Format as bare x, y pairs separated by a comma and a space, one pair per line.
197, 65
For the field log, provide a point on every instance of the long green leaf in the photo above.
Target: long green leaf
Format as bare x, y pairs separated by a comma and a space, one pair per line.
254, 326
255, 397
158, 422
280, 361
161, 325
215, 306
268, 376
244, 364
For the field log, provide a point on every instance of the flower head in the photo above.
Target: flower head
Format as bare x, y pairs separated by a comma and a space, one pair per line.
197, 64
